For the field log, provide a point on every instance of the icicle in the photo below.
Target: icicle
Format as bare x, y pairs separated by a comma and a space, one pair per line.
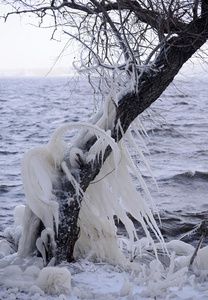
41, 248
132, 142
139, 124
109, 110
138, 134
38, 176
30, 228
76, 157
48, 238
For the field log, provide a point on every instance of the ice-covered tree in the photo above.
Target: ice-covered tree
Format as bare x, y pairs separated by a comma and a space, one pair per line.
133, 50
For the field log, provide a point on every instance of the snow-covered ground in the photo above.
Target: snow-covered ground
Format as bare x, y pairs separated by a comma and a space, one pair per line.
169, 276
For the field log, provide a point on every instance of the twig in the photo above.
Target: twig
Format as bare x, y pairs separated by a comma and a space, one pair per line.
200, 242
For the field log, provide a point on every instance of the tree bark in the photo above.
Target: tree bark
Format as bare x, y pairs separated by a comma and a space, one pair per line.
176, 51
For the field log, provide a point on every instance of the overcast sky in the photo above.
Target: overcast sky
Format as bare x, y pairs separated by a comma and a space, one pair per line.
28, 50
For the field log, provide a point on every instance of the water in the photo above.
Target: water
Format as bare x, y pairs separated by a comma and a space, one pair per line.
179, 156
32, 108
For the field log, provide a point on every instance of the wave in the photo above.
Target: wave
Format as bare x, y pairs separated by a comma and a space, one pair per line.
163, 131
191, 175
8, 152
182, 225
176, 225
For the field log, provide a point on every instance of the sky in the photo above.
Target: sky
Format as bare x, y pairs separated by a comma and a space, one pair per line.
28, 50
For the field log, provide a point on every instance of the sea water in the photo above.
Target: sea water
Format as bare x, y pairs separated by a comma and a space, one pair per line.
176, 124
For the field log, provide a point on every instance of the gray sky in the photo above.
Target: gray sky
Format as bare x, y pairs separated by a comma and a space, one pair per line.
28, 50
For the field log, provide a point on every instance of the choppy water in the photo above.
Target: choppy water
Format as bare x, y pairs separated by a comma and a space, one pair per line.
32, 108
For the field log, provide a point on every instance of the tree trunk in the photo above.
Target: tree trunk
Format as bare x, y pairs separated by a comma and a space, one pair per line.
176, 51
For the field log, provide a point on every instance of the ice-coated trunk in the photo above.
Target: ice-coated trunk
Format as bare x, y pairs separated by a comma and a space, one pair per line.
176, 51
68, 232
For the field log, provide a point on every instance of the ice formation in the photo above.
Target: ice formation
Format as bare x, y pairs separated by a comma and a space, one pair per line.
112, 193
39, 166
55, 281
38, 176
109, 195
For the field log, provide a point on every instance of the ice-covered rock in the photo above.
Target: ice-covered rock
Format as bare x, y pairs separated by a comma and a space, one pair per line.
55, 281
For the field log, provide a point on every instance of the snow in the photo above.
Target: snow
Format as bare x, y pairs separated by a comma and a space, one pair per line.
86, 279
168, 277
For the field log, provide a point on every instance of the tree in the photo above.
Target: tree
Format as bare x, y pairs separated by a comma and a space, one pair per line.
134, 49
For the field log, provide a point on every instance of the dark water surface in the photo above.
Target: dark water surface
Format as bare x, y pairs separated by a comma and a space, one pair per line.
32, 108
